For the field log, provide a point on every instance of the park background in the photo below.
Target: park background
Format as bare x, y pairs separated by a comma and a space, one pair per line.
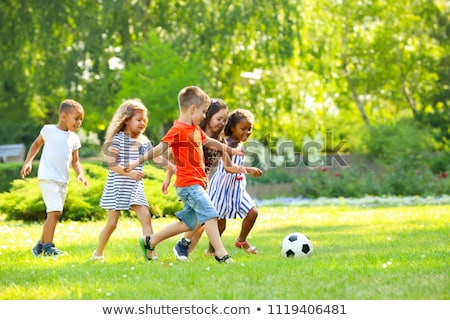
351, 100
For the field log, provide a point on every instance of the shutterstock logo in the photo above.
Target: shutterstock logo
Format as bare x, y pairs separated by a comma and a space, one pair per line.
282, 153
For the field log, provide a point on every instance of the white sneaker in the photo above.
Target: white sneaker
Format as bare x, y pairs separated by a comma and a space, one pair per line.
94, 257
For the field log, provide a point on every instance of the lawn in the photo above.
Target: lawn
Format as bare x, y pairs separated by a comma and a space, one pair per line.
360, 253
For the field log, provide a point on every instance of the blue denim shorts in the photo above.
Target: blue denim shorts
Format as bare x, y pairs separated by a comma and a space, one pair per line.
197, 208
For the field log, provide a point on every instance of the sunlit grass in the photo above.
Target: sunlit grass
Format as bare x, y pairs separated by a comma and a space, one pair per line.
359, 253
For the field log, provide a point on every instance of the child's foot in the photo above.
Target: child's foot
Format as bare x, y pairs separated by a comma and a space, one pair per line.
95, 257
246, 246
37, 249
225, 259
49, 250
209, 253
181, 249
146, 248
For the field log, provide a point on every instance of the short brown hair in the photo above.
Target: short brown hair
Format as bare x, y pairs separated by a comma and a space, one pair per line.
192, 95
68, 105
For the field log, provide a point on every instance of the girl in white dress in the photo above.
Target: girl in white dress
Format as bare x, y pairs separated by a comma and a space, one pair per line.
227, 191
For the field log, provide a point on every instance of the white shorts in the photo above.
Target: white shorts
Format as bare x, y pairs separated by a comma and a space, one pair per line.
54, 194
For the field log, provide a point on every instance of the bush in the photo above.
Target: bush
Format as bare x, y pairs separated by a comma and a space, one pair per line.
273, 175
404, 139
9, 172
345, 182
24, 200
412, 178
402, 178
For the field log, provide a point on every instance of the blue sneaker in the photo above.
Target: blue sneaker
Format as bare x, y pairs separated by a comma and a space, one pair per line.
181, 249
37, 249
49, 250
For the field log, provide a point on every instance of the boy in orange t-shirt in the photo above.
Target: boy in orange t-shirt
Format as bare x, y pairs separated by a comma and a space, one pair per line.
186, 139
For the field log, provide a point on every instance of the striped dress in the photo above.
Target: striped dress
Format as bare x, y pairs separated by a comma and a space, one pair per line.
227, 192
121, 192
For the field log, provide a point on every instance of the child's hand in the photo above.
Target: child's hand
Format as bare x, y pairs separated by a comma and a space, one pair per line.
165, 186
136, 175
83, 180
131, 166
237, 152
256, 172
26, 169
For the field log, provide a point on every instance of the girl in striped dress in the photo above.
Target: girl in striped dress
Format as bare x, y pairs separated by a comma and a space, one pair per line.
227, 190
124, 142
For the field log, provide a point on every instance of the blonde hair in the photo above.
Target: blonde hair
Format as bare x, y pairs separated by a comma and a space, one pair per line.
125, 112
192, 95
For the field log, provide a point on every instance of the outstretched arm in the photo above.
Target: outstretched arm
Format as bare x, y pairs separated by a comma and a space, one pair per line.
223, 148
230, 167
160, 149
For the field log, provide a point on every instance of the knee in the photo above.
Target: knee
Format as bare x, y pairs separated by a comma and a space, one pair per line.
111, 226
253, 212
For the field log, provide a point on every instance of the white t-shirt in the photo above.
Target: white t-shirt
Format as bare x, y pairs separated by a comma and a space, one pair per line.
57, 153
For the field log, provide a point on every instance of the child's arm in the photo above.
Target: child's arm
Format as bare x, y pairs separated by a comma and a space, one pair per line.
32, 152
230, 167
223, 148
76, 165
160, 149
113, 165
166, 183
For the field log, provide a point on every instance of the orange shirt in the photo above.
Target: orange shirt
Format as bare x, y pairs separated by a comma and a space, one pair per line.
186, 142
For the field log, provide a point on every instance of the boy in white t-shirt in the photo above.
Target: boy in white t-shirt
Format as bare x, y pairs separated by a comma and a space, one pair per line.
61, 145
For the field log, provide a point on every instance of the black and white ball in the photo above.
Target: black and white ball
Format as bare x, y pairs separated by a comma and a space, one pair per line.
296, 245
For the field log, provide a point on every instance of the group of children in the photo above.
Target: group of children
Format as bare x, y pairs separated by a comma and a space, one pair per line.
203, 149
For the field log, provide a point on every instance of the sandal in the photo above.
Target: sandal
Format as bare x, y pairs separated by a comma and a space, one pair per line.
145, 245
245, 246
225, 259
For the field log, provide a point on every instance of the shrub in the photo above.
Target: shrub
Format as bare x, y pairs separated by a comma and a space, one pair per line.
402, 178
273, 175
24, 200
412, 178
9, 172
404, 139
343, 182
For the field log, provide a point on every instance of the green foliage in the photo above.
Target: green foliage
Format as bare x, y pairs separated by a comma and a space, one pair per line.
409, 178
403, 178
272, 175
301, 66
345, 182
155, 74
24, 200
403, 139
9, 172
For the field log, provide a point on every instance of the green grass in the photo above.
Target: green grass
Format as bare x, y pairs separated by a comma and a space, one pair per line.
359, 253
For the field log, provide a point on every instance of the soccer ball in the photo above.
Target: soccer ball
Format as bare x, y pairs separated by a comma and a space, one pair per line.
296, 245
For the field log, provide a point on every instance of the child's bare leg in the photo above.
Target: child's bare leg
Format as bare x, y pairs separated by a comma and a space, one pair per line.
168, 232
143, 214
48, 229
108, 229
194, 236
247, 224
222, 225
212, 231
